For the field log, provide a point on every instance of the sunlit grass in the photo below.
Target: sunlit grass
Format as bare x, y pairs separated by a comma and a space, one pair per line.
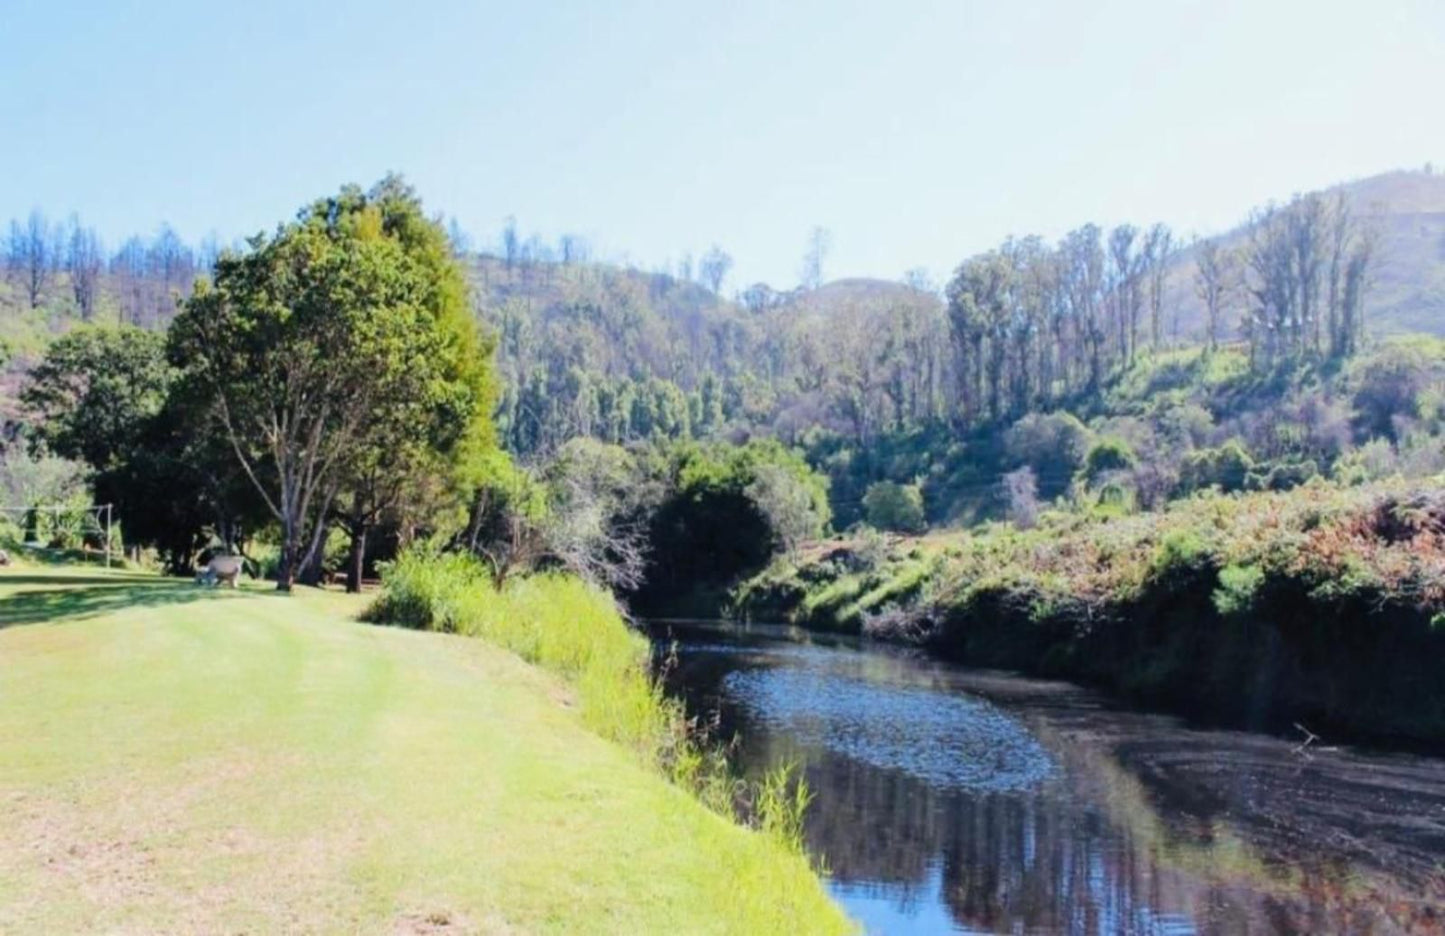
180, 759
575, 630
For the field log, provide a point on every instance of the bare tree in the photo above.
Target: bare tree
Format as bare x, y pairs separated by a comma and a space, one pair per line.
1123, 294
511, 241
84, 259
1021, 493
1159, 249
815, 256
1216, 279
1083, 272
173, 265
207, 254
714, 268
129, 269
589, 533
32, 255
585, 511
759, 297
1271, 320
918, 278
1352, 305
1306, 225
1295, 254
572, 248
458, 238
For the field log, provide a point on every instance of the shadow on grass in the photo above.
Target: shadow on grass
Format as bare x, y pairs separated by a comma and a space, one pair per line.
76, 596
112, 579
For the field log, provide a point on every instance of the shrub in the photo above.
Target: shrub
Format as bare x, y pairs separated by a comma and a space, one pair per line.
896, 507
1387, 387
1109, 454
1374, 460
1227, 468
1283, 476
1052, 444
1181, 550
1237, 587
555, 621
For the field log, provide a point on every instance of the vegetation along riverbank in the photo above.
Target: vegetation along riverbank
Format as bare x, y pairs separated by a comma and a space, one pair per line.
1320, 606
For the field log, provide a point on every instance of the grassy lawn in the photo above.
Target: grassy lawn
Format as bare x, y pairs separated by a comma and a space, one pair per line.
175, 759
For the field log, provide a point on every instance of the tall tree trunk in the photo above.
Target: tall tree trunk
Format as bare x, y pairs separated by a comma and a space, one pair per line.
286, 565
356, 561
311, 565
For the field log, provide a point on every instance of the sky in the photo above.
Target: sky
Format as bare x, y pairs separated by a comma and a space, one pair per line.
915, 132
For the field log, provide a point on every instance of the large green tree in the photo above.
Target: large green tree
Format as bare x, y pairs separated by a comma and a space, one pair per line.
331, 347
94, 391
103, 396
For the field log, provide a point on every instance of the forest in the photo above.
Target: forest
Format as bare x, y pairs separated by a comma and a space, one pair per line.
916, 384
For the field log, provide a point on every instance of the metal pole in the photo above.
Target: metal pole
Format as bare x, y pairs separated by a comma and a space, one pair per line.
107, 536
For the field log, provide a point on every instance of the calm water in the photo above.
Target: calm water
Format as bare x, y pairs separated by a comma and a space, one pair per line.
962, 801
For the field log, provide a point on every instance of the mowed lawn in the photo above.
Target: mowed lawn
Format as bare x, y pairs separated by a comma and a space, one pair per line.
176, 759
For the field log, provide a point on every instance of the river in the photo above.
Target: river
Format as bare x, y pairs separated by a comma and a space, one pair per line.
951, 800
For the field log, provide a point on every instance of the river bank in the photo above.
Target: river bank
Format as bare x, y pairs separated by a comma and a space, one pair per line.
1317, 607
180, 759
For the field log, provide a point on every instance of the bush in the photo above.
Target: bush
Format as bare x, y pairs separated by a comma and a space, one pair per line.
1052, 444
558, 622
895, 507
1283, 476
1227, 468
1387, 387
1237, 587
1109, 454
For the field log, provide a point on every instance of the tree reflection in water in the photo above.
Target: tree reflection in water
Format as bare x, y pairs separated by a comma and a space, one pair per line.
1069, 816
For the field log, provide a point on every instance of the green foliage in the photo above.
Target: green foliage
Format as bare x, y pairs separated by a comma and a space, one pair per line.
108, 397
725, 512
780, 803
792, 500
1105, 456
1283, 476
1182, 550
1053, 444
1237, 587
559, 623
895, 507
343, 343
1388, 386
95, 390
1227, 468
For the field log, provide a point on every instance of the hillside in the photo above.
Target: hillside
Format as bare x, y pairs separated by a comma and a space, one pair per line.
1406, 211
867, 375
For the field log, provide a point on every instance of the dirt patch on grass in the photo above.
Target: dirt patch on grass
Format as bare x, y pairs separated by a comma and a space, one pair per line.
172, 857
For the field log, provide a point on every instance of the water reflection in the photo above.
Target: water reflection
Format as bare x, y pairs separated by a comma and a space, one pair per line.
954, 801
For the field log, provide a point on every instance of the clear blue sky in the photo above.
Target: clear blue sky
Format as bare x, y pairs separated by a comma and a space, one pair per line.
916, 132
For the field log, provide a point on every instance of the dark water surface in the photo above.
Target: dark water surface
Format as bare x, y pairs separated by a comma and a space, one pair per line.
951, 800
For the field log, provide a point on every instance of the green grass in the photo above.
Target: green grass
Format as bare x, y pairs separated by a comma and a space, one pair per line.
174, 759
